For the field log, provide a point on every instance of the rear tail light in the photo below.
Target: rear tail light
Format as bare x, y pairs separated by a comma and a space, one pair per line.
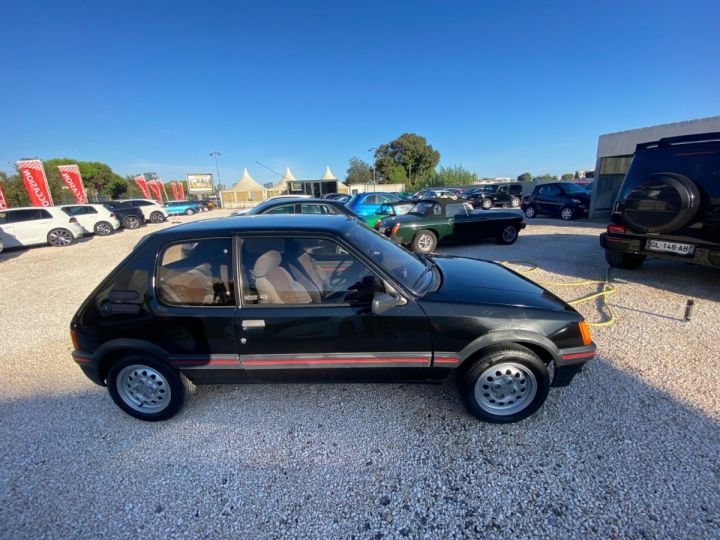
73, 220
617, 229
395, 228
585, 333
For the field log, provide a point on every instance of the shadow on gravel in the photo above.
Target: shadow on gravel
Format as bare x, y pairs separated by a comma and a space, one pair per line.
606, 456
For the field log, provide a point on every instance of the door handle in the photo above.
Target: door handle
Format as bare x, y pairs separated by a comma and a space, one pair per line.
253, 323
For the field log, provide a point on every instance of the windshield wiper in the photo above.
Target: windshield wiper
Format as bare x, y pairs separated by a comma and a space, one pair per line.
428, 267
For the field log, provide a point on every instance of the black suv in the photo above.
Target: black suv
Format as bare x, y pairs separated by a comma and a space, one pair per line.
313, 298
130, 218
668, 205
491, 195
563, 199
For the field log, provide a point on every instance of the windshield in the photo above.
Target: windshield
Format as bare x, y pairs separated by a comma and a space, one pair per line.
573, 188
403, 265
423, 208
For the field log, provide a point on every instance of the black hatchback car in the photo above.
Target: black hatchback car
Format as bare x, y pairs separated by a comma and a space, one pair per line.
319, 298
563, 199
668, 205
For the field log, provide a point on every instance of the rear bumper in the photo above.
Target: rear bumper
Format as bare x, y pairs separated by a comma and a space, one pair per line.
705, 254
89, 366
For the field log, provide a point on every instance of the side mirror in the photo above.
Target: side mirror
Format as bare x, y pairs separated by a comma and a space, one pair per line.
383, 302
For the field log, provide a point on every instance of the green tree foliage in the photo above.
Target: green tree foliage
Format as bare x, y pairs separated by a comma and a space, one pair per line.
525, 177
567, 176
546, 176
456, 175
407, 159
359, 172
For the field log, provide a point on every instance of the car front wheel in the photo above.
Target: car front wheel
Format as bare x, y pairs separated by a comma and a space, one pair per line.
103, 228
508, 235
189, 212
131, 222
530, 212
424, 242
60, 238
514, 202
567, 213
146, 388
157, 217
504, 384
486, 204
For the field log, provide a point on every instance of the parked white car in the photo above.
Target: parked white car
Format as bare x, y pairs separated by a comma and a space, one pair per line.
34, 225
153, 212
94, 218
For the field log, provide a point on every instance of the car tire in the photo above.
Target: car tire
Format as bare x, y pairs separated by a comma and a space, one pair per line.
103, 228
189, 212
620, 259
515, 202
567, 213
504, 384
508, 235
486, 204
157, 217
424, 241
131, 222
530, 212
146, 388
60, 237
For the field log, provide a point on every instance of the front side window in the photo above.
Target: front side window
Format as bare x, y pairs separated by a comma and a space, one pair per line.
19, 216
286, 209
302, 271
198, 273
455, 209
372, 199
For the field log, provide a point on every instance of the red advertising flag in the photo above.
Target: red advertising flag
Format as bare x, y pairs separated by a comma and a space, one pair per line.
142, 185
155, 188
173, 186
70, 175
3, 202
181, 191
35, 182
162, 186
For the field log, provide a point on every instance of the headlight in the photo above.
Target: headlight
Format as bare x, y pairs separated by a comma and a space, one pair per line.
576, 201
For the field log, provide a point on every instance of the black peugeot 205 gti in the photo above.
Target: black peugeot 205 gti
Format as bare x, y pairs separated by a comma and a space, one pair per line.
320, 298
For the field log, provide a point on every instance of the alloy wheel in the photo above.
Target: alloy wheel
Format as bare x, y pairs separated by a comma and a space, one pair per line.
103, 229
425, 242
143, 388
60, 237
506, 388
566, 214
131, 222
509, 234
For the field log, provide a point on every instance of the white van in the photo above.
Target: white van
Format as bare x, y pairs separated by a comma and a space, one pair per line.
29, 226
94, 218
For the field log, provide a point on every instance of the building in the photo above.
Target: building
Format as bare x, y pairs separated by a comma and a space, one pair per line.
615, 152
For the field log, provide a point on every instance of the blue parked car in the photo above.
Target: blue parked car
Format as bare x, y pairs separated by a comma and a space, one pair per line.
365, 204
175, 208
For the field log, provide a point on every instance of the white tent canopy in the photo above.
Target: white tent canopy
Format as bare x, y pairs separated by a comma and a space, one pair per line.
246, 183
288, 176
328, 174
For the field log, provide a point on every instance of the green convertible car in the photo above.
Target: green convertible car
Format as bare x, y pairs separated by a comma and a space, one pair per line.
397, 208
433, 220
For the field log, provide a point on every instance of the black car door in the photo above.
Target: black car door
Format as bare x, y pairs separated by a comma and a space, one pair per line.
305, 313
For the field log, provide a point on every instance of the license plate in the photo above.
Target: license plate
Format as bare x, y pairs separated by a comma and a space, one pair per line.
670, 247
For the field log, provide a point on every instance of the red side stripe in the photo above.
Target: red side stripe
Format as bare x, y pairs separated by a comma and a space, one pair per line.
577, 355
447, 360
205, 362
336, 361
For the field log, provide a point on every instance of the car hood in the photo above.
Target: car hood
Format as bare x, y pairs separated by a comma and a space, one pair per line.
473, 281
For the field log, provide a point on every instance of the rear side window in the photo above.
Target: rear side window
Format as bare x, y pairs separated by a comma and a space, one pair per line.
287, 209
372, 199
198, 273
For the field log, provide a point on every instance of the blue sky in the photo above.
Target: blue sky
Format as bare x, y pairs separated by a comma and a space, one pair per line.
499, 87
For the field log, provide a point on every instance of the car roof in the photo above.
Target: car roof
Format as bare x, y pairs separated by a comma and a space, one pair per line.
338, 223
29, 208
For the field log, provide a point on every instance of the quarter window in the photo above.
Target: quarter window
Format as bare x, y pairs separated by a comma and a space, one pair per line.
300, 271
197, 274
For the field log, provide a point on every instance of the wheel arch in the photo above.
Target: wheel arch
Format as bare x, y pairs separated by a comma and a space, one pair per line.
113, 350
537, 343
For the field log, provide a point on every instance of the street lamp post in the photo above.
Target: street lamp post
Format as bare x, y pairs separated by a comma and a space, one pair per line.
372, 150
217, 168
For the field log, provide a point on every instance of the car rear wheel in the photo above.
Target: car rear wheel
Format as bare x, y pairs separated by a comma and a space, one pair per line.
505, 384
508, 235
515, 202
131, 222
486, 204
157, 217
424, 241
146, 388
103, 228
60, 238
620, 259
189, 212
567, 213
530, 212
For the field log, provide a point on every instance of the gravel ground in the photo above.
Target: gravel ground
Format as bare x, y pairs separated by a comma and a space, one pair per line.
631, 448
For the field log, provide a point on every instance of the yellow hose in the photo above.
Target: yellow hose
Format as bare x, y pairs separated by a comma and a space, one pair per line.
607, 290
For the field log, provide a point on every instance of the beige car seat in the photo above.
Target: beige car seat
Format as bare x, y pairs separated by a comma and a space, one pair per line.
192, 287
274, 284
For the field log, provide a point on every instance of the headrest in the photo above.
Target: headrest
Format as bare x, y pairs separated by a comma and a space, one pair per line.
266, 264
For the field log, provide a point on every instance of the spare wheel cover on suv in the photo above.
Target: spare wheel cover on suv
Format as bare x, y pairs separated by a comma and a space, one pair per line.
664, 202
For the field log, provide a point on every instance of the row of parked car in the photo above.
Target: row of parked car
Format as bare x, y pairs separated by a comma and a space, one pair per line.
61, 225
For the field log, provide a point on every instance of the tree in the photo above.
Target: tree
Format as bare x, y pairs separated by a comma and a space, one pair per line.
525, 177
359, 172
590, 174
456, 175
407, 158
546, 176
567, 176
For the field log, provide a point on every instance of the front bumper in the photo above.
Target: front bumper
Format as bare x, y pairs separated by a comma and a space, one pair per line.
570, 362
705, 254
